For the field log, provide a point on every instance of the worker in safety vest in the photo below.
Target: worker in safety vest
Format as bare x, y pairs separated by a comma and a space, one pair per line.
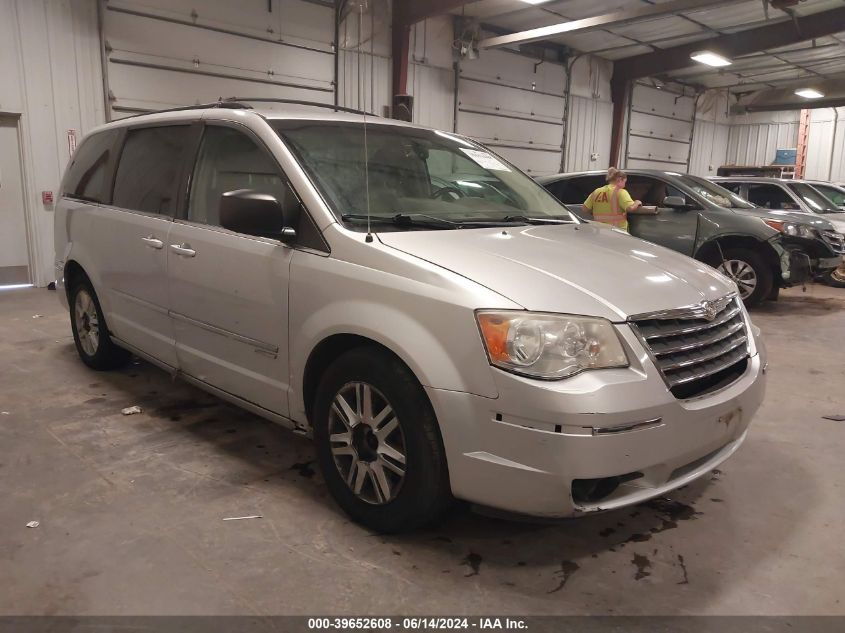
612, 203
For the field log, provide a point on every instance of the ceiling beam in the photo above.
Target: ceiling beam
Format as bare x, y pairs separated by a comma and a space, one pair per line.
608, 20
785, 98
412, 11
775, 35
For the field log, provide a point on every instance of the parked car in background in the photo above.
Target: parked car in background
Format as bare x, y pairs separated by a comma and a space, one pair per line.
832, 191
762, 251
785, 195
796, 195
330, 272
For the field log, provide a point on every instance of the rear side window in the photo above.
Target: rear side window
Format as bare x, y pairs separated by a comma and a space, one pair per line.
575, 190
770, 196
731, 186
148, 172
86, 175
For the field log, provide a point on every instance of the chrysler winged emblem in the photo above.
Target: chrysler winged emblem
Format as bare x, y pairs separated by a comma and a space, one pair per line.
710, 309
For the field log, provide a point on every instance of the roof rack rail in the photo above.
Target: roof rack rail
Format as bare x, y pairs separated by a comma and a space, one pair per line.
221, 103
316, 104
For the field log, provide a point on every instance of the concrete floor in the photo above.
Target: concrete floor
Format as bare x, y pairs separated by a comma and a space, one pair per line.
131, 508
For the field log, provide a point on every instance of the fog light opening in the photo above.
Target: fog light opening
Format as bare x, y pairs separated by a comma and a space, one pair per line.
592, 490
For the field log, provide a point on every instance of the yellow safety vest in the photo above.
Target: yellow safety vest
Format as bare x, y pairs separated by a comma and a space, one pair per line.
604, 203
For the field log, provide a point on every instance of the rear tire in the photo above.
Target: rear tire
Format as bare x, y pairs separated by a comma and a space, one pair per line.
749, 270
378, 443
90, 332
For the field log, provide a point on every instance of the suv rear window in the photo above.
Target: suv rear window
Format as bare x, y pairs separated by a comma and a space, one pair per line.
149, 169
770, 197
575, 190
86, 175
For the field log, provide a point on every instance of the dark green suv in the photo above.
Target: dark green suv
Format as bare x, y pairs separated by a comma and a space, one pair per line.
762, 250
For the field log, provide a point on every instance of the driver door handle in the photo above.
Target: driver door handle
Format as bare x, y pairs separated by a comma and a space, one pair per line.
153, 242
183, 250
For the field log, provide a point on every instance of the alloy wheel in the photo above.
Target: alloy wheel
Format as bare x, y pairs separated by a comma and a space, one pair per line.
367, 443
87, 322
742, 273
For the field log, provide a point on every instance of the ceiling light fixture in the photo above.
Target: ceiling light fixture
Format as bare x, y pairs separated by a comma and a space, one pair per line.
535, 1
710, 58
809, 93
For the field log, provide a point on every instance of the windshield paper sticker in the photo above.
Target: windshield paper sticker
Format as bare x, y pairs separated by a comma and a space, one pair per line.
485, 159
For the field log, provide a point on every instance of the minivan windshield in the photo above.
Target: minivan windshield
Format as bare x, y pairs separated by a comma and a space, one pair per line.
812, 198
715, 194
414, 178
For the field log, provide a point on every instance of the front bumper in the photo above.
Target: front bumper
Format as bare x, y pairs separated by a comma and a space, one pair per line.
831, 263
522, 451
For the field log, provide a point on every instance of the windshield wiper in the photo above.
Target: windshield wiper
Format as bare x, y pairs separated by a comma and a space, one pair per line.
420, 219
403, 219
535, 220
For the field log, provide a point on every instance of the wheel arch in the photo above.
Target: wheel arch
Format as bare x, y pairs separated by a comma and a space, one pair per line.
330, 349
711, 251
73, 271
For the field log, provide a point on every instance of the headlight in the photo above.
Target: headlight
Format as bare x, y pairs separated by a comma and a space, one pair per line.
791, 228
549, 346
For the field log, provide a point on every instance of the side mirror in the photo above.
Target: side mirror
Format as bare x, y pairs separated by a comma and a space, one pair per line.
253, 213
675, 202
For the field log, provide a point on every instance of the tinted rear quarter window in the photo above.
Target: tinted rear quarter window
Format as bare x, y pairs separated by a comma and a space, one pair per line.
575, 190
770, 197
149, 168
85, 178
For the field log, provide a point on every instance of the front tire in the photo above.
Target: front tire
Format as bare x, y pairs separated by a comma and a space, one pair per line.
90, 332
749, 271
378, 443
835, 277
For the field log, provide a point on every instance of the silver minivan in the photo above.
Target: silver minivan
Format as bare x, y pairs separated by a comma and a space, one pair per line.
438, 323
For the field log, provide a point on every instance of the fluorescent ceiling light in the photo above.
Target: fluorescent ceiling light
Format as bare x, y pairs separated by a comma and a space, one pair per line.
710, 58
809, 93
535, 1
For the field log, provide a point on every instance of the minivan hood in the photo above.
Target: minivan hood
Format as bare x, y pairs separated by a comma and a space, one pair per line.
585, 269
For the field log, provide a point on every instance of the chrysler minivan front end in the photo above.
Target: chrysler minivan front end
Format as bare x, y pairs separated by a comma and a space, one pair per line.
435, 320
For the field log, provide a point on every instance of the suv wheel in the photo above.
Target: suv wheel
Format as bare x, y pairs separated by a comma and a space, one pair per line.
378, 444
750, 273
90, 332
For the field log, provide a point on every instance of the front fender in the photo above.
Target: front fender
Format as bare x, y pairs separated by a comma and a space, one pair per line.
423, 314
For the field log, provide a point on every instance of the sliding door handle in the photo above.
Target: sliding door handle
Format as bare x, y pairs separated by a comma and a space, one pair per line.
183, 250
152, 242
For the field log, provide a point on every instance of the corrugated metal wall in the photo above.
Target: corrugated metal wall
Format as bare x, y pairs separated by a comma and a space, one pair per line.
364, 65
754, 138
710, 136
588, 132
590, 115
431, 73
826, 145
50, 76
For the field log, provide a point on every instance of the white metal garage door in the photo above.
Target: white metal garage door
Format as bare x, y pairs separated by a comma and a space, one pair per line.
660, 125
167, 53
514, 104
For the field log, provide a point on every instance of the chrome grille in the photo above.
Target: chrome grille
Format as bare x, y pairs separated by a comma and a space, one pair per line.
695, 349
835, 240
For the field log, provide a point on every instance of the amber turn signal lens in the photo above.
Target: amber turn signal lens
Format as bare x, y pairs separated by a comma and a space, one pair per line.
494, 329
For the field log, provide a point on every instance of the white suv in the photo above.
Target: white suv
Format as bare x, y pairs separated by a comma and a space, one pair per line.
439, 323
